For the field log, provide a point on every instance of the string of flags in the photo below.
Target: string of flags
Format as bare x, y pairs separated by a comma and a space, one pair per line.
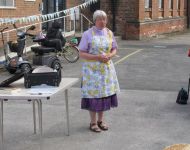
46, 17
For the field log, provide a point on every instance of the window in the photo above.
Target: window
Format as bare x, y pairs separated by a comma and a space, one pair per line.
170, 4
185, 4
6, 3
161, 3
148, 3
178, 4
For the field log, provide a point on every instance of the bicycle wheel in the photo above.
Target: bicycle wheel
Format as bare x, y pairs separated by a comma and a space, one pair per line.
71, 54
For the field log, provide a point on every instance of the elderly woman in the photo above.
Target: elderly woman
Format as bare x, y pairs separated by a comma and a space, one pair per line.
99, 80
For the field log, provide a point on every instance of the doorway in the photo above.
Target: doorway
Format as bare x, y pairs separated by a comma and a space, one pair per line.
51, 6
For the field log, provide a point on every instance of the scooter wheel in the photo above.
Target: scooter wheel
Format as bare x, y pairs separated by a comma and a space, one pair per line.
25, 68
56, 65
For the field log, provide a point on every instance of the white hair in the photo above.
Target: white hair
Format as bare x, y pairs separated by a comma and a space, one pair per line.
99, 13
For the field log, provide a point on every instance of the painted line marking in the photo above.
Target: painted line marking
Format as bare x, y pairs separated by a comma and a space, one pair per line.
159, 46
117, 56
122, 59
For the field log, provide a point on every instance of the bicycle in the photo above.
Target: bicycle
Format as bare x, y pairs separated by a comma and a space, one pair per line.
70, 52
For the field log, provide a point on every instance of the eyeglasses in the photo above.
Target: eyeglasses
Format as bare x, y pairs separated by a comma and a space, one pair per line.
101, 19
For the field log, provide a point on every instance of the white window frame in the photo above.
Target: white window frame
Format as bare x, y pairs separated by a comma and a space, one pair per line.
147, 3
160, 4
178, 4
13, 6
170, 4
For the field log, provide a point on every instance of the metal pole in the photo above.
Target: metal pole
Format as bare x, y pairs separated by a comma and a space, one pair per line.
8, 40
81, 24
67, 110
34, 115
1, 125
40, 116
74, 21
188, 14
64, 25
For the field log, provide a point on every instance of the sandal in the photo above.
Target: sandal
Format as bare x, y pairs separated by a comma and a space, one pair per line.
102, 125
94, 128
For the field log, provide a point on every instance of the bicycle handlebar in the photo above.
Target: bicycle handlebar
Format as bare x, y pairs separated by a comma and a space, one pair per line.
4, 29
32, 35
14, 25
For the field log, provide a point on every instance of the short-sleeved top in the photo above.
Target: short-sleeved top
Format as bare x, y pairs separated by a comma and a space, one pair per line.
86, 40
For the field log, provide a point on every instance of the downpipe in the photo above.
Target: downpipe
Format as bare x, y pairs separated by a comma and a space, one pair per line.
188, 14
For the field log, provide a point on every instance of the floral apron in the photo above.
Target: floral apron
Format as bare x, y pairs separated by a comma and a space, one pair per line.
99, 79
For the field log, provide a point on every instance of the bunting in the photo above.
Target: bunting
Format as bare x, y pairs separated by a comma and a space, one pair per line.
46, 17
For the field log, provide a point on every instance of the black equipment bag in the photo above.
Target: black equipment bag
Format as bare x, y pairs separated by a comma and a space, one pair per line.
183, 95
48, 78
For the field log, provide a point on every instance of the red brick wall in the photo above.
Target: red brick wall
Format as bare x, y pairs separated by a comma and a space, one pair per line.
131, 16
72, 3
126, 10
155, 28
22, 9
132, 22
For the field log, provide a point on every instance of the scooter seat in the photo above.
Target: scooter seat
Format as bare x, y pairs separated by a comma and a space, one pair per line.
41, 49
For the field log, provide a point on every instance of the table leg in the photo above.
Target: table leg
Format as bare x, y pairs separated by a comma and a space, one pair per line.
1, 124
67, 110
34, 115
40, 116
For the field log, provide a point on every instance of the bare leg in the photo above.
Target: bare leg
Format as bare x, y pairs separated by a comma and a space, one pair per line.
100, 116
93, 123
92, 117
101, 124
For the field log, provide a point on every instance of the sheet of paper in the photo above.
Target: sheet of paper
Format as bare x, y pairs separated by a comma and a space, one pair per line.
42, 89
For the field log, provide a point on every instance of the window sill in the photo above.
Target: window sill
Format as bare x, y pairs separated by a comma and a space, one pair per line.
148, 9
147, 19
160, 17
7, 7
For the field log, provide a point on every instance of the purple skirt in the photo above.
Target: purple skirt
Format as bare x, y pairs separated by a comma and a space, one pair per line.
99, 104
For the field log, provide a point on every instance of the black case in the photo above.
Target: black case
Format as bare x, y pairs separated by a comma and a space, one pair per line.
48, 78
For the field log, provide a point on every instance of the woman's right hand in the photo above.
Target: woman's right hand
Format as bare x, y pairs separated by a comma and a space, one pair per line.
103, 58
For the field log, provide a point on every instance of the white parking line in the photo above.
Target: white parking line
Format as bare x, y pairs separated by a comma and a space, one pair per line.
124, 58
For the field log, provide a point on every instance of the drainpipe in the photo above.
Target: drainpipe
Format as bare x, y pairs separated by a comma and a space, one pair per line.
47, 11
188, 14
113, 6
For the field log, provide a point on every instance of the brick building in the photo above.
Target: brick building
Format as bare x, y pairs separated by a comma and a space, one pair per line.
17, 8
132, 19
50, 6
138, 19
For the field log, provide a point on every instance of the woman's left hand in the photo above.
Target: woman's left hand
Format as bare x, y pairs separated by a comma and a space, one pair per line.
109, 56
104, 58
